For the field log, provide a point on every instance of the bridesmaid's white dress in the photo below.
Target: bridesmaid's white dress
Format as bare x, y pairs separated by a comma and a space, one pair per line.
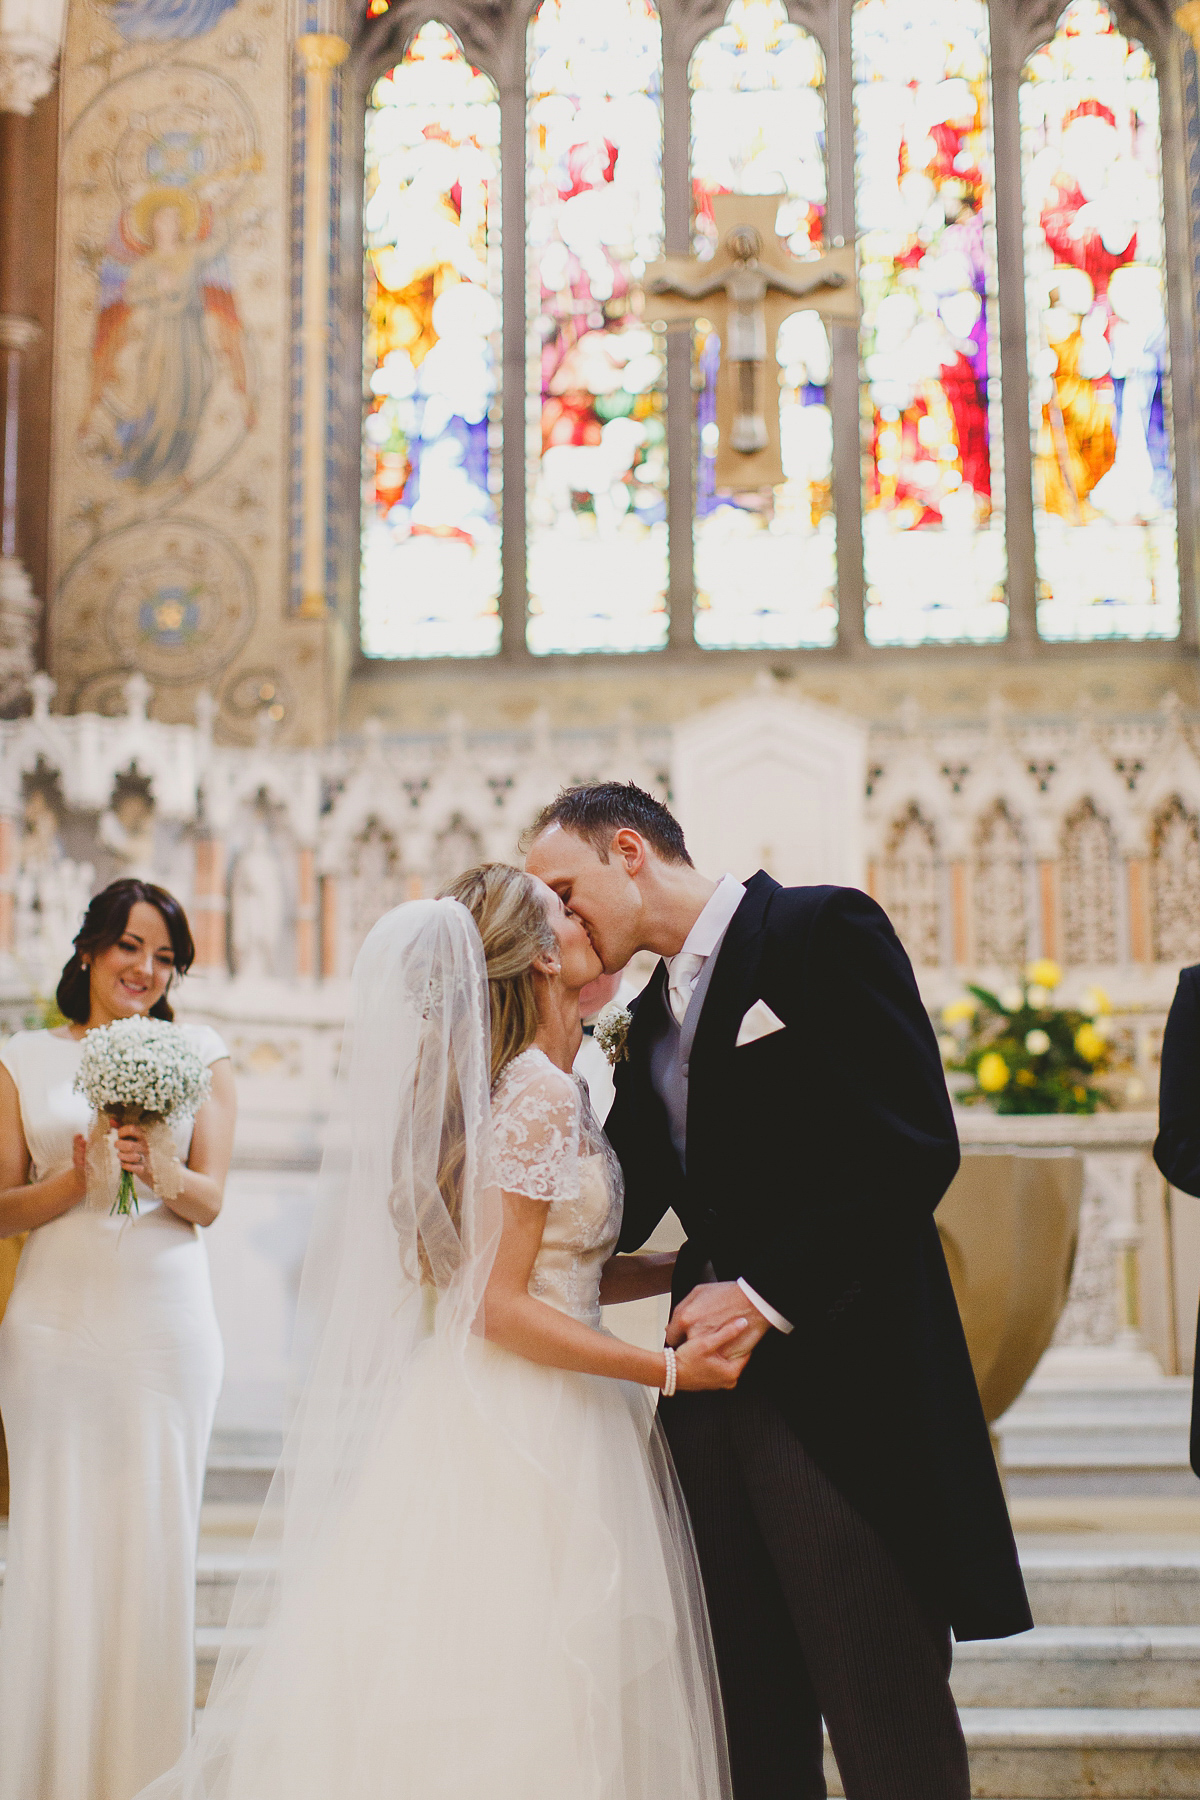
110, 1367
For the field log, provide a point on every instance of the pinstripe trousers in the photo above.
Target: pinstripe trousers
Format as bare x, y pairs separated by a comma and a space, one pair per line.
811, 1617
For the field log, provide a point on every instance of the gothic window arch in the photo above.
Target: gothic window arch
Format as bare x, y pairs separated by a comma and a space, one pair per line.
998, 891
1175, 883
1089, 888
911, 886
541, 480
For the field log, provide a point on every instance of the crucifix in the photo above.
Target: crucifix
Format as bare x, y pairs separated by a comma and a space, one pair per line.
748, 288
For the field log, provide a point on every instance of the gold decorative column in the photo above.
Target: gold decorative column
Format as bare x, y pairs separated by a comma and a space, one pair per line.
1138, 879
1047, 879
8, 858
209, 904
28, 57
1188, 19
321, 53
329, 927
960, 911
306, 913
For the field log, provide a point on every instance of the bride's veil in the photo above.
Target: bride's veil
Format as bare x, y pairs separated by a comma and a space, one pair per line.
406, 1227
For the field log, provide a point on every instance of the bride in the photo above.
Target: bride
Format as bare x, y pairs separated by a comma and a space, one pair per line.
486, 1583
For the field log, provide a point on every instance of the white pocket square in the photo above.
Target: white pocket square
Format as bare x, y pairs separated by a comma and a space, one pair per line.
759, 1022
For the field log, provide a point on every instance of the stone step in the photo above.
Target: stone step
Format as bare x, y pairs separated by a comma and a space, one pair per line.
1082, 1666
210, 1640
1058, 1753
238, 1479
1067, 1666
240, 1465
1107, 1586
217, 1573
1099, 1441
1067, 1587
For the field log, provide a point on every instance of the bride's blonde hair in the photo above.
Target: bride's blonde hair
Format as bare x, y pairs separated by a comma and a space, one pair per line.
512, 922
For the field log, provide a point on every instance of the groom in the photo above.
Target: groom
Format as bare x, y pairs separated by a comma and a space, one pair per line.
783, 1093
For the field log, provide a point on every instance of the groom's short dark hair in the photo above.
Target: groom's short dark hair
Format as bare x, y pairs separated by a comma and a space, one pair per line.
598, 811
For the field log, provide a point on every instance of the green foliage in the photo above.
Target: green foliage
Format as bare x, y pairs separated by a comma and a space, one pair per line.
44, 1015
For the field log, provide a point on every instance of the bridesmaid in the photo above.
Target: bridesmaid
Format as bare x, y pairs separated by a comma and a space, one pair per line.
110, 1366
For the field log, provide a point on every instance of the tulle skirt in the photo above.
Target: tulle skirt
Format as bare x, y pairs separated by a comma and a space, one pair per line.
509, 1608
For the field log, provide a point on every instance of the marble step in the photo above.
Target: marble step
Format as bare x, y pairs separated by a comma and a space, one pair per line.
1079, 1585
217, 1573
1082, 1666
240, 1465
1060, 1753
1067, 1587
210, 1640
1064, 1666
1099, 1441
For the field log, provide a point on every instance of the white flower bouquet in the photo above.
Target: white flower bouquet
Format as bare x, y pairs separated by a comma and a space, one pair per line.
138, 1072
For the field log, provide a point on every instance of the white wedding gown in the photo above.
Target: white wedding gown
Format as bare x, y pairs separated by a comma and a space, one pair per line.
508, 1606
110, 1367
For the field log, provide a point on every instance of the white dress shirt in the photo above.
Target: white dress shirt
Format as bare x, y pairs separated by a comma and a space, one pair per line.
702, 941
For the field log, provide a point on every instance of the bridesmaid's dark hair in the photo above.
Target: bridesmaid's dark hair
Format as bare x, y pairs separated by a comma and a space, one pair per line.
104, 923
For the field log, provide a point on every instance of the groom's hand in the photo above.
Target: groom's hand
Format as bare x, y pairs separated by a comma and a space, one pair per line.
712, 1305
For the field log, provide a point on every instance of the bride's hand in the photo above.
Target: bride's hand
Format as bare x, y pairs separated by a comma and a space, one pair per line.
703, 1362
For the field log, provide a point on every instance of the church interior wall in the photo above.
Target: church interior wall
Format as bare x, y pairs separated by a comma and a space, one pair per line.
289, 788
661, 689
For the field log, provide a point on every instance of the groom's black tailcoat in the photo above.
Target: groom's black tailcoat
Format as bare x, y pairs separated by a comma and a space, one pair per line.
815, 1158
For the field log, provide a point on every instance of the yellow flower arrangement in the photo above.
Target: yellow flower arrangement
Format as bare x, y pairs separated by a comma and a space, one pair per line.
1023, 1053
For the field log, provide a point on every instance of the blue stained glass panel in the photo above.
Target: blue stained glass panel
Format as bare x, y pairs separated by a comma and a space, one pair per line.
1104, 486
933, 525
766, 562
430, 573
596, 422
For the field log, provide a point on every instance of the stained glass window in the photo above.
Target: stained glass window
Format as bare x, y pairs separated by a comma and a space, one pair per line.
597, 480
765, 564
430, 578
933, 524
1104, 492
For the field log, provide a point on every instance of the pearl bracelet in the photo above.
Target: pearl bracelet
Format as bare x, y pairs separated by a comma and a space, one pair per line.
668, 1386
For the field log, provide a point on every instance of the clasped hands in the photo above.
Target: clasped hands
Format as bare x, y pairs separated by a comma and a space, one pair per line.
712, 1307
133, 1151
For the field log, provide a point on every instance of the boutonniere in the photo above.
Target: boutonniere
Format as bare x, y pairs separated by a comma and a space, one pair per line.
611, 1032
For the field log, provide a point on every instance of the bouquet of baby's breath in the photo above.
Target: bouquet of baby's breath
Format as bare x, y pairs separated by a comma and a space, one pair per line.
140, 1072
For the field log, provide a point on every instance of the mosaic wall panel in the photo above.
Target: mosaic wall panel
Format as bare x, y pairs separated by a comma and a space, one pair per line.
170, 431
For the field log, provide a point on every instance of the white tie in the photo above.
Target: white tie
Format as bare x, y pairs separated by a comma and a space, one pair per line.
682, 981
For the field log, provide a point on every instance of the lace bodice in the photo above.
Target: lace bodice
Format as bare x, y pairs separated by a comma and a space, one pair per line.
549, 1146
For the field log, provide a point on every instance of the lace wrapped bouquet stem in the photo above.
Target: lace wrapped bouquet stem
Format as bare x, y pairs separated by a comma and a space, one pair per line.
141, 1072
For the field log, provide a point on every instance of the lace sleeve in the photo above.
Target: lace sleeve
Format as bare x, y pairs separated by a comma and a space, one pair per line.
536, 1118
